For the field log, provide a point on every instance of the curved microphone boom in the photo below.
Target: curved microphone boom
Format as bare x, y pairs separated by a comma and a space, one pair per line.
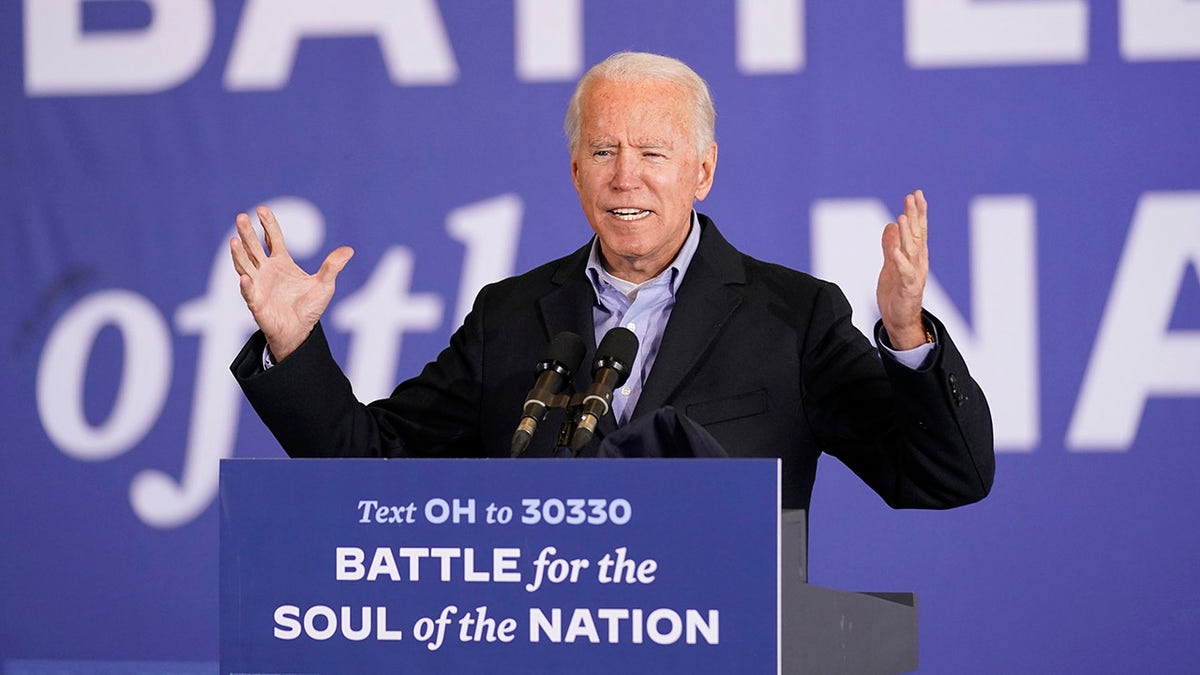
614, 361
559, 361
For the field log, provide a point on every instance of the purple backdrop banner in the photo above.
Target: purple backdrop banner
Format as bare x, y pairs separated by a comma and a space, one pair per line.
1056, 140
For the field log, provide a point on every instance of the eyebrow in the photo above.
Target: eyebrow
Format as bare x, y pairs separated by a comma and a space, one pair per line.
641, 144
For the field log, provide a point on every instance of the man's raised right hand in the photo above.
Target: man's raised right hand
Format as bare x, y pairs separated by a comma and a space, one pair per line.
285, 300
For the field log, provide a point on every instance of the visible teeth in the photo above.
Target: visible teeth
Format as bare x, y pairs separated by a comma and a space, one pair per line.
630, 214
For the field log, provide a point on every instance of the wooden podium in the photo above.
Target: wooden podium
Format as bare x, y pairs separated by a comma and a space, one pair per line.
523, 566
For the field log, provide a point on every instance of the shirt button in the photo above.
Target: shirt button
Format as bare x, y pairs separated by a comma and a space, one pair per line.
631, 325
626, 391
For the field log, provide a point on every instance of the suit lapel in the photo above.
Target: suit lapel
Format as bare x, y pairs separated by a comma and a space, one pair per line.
706, 300
569, 308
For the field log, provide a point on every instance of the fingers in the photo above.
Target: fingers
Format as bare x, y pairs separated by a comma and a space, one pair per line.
247, 251
895, 259
249, 243
908, 237
890, 241
922, 206
917, 217
334, 263
241, 262
913, 226
271, 231
245, 248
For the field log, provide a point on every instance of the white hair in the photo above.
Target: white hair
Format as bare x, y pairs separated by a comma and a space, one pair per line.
640, 67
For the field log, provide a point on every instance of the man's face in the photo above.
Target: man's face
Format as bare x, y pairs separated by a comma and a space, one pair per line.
637, 172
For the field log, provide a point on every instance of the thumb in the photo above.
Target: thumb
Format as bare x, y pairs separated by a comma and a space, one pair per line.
334, 263
890, 241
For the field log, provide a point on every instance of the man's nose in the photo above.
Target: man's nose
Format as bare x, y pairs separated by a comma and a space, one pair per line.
626, 173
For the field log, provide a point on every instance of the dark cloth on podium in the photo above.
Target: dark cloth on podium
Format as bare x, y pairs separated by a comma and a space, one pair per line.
763, 357
665, 433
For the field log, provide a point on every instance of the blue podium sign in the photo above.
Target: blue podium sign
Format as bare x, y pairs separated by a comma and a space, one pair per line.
453, 566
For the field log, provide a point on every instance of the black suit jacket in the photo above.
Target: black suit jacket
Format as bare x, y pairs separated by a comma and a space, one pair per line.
763, 357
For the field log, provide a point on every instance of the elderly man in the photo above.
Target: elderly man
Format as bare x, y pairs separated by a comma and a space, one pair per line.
763, 357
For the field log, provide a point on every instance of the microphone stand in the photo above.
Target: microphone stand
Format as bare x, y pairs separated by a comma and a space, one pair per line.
554, 402
574, 413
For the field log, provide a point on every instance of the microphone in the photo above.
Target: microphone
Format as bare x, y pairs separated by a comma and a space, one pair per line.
559, 361
614, 360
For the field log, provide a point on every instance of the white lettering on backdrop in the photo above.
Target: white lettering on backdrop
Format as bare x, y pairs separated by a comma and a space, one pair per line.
64, 59
220, 320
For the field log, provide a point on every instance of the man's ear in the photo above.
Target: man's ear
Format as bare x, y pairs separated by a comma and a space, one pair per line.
706, 171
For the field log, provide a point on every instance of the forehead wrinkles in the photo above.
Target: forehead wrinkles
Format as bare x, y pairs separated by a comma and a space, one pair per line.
649, 113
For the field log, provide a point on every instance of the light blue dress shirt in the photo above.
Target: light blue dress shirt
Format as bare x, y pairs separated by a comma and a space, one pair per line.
643, 308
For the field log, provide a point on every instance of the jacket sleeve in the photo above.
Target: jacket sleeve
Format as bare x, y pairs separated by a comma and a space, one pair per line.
920, 438
308, 403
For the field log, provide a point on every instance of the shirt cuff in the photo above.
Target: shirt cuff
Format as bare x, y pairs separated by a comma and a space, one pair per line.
914, 358
267, 361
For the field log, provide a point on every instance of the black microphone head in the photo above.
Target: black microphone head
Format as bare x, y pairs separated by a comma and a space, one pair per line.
564, 353
617, 351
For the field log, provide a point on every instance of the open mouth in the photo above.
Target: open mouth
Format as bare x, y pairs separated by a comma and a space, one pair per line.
630, 214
